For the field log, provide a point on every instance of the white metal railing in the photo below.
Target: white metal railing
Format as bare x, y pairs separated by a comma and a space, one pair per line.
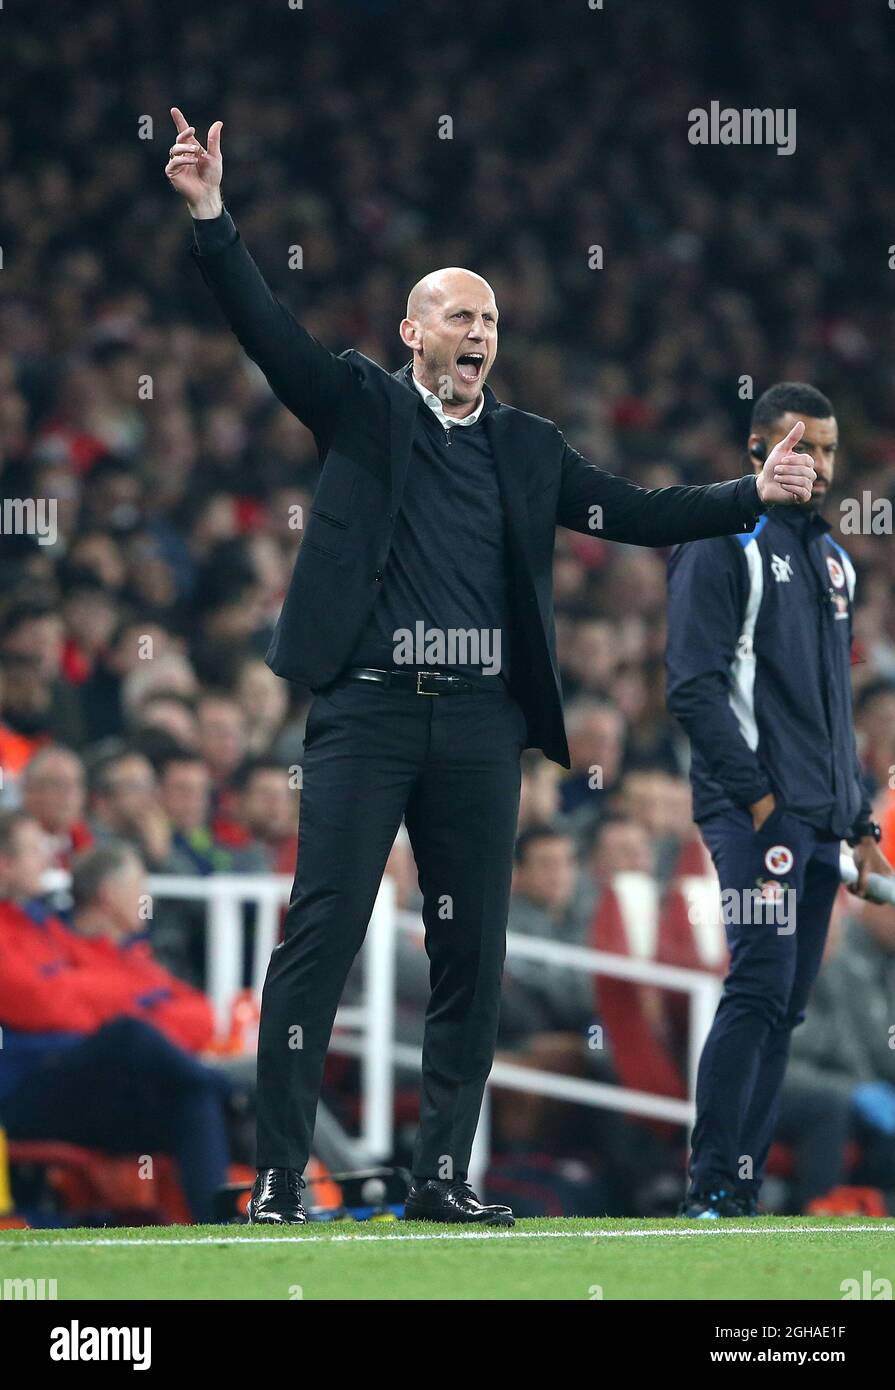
366, 1030
225, 896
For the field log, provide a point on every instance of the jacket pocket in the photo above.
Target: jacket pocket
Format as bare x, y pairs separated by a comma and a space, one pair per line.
329, 519
781, 824
313, 544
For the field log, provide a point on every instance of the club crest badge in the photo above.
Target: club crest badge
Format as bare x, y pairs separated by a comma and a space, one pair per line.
836, 572
773, 890
779, 859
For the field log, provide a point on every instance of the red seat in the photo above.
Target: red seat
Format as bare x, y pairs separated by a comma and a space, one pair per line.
627, 1009
688, 936
86, 1181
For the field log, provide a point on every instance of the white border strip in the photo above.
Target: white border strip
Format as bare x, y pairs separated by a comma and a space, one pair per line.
709, 1229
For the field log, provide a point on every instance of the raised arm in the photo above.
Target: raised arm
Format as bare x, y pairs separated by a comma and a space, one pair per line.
601, 504
309, 380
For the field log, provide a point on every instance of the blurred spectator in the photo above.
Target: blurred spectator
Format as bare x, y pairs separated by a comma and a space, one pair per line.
539, 794
220, 735
90, 615
264, 699
167, 672
840, 1083
125, 805
37, 699
85, 1056
875, 729
264, 814
15, 751
596, 732
171, 713
622, 846
540, 996
111, 909
54, 794
663, 806
185, 793
593, 657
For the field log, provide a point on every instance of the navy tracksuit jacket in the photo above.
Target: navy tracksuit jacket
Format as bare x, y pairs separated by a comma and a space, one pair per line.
758, 659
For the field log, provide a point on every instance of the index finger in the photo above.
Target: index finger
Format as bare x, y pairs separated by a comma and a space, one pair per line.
180, 120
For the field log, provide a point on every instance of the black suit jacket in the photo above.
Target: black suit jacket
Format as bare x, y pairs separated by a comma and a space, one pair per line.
363, 419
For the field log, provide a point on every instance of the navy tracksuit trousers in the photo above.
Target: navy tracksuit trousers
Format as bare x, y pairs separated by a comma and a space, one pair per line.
774, 960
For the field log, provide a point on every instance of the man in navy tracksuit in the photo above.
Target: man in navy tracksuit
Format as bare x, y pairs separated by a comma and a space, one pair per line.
758, 658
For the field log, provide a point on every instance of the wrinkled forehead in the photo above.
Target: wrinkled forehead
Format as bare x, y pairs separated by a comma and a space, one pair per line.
450, 290
466, 291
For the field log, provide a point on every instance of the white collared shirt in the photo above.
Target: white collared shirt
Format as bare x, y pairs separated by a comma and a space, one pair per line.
436, 405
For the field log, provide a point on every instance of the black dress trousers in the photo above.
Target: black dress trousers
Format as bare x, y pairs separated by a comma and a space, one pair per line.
449, 764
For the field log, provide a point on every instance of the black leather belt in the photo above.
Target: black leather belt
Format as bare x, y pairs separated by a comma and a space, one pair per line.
419, 682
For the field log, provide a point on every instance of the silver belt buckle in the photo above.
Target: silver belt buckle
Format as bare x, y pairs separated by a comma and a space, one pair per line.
419, 676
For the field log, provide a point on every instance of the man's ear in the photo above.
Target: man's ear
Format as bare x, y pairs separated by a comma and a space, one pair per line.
410, 335
758, 451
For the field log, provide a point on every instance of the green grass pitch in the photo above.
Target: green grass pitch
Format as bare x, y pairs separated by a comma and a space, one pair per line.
768, 1258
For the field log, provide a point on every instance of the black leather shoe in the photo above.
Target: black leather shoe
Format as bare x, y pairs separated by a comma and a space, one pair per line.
276, 1198
712, 1206
432, 1199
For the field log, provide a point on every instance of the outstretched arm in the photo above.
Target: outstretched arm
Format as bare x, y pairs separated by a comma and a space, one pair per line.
601, 504
310, 380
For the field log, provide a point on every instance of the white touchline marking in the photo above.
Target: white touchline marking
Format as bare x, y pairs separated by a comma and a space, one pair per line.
707, 1230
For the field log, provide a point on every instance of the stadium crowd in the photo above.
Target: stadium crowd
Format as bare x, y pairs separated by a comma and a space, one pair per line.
139, 726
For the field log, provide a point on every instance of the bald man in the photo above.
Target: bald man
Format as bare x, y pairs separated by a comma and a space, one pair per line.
420, 614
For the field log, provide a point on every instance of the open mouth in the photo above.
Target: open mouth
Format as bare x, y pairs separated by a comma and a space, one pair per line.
469, 366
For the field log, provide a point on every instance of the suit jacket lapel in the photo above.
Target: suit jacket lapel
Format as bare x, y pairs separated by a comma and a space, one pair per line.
404, 407
509, 450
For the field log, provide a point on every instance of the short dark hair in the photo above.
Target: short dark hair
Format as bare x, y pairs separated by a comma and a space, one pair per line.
260, 762
795, 396
111, 466
177, 754
106, 758
611, 819
26, 611
156, 744
532, 834
78, 579
174, 697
